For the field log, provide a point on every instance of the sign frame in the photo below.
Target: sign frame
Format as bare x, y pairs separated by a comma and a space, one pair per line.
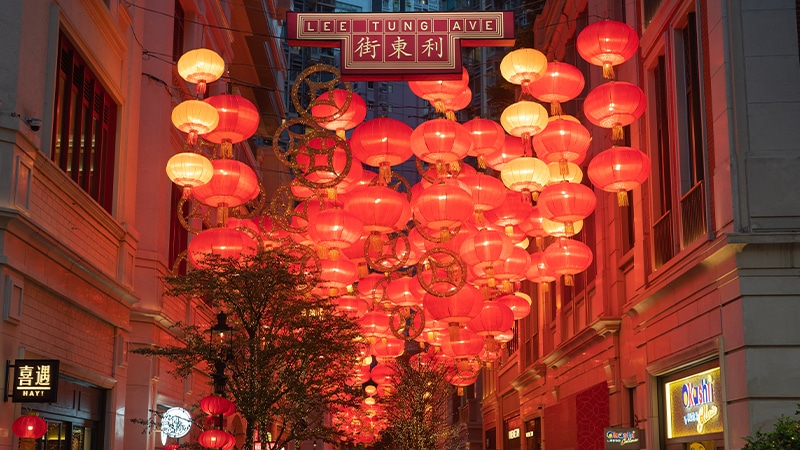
28, 370
620, 438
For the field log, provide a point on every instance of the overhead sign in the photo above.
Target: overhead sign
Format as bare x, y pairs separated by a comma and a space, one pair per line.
400, 46
35, 381
693, 405
624, 438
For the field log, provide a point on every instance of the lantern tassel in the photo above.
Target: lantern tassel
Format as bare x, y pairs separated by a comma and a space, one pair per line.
450, 115
444, 234
608, 71
385, 172
363, 270
506, 287
545, 287
539, 242
569, 280
535, 195
563, 167
481, 161
555, 108
200, 88
438, 105
331, 194
375, 243
622, 198
569, 229
454, 332
617, 133
333, 254
187, 191
322, 252
340, 133
226, 149
460, 391
480, 219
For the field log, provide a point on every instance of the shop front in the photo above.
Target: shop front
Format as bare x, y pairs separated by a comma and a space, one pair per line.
693, 410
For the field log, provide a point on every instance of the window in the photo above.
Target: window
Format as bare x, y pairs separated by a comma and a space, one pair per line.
84, 140
677, 143
178, 31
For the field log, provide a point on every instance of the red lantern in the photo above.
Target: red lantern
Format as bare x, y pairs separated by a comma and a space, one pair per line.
374, 325
532, 225
457, 103
379, 208
233, 184
336, 275
512, 211
238, 120
335, 229
350, 305
511, 149
607, 43
619, 169
566, 203
443, 206
494, 318
461, 307
382, 374
564, 139
462, 344
217, 405
519, 306
388, 348
29, 426
171, 447
405, 291
215, 438
487, 193
382, 142
224, 242
485, 248
561, 82
440, 141
508, 270
568, 257
488, 136
614, 105
333, 111
539, 272
440, 91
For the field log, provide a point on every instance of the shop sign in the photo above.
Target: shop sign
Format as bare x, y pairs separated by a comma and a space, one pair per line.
400, 46
513, 434
693, 405
35, 381
530, 434
624, 438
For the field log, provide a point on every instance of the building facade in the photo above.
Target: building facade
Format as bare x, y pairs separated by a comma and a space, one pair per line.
88, 222
683, 328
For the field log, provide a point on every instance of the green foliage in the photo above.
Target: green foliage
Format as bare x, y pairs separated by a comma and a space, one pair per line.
290, 353
785, 436
417, 408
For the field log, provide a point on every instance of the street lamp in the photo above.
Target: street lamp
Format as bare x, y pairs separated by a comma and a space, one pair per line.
221, 336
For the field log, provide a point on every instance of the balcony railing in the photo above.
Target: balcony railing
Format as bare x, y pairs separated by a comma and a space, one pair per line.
693, 215
663, 240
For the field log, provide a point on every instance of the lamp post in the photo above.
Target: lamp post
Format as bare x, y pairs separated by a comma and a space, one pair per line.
222, 337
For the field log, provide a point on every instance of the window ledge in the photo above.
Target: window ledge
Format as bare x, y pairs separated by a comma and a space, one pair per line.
597, 330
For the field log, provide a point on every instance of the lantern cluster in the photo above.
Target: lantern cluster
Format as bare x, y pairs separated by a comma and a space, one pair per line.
613, 105
217, 408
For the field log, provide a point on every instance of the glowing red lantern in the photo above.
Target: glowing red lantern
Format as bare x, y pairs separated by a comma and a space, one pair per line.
485, 248
488, 136
339, 110
619, 169
457, 103
382, 374
440, 141
215, 439
519, 306
539, 272
564, 139
568, 257
440, 91
374, 325
335, 229
462, 344
382, 142
405, 291
532, 225
388, 348
233, 184
508, 270
561, 82
461, 307
238, 120
336, 275
443, 206
566, 203
511, 149
379, 208
512, 211
350, 305
487, 193
607, 43
223, 242
217, 405
494, 318
29, 426
614, 105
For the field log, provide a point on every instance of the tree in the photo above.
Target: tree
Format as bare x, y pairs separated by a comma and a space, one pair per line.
417, 407
785, 436
289, 354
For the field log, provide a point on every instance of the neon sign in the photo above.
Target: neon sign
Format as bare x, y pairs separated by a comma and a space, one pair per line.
623, 438
692, 406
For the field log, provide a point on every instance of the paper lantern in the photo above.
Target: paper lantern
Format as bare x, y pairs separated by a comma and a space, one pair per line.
238, 121
438, 91
560, 83
336, 275
539, 272
188, 170
29, 426
405, 291
607, 43
350, 305
382, 374
335, 229
201, 66
217, 405
487, 193
461, 307
223, 242
443, 206
462, 344
234, 183
619, 169
334, 111
520, 307
194, 117
564, 140
568, 257
511, 149
494, 319
379, 208
382, 142
440, 141
457, 103
485, 248
614, 105
524, 119
215, 439
374, 325
527, 175
566, 203
523, 66
487, 136
388, 348
573, 174
511, 212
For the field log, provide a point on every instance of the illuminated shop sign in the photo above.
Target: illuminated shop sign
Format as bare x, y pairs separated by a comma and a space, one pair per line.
693, 405
513, 434
35, 381
624, 438
400, 46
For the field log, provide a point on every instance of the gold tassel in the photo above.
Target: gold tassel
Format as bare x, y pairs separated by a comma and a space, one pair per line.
480, 219
617, 133
454, 332
539, 242
455, 167
506, 287
555, 108
563, 167
375, 242
486, 292
622, 198
341, 134
569, 230
322, 252
481, 161
226, 149
608, 71
545, 287
441, 170
444, 234
535, 196
333, 254
450, 115
460, 391
385, 172
331, 194
568, 280
509, 230
363, 270
222, 215
438, 105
